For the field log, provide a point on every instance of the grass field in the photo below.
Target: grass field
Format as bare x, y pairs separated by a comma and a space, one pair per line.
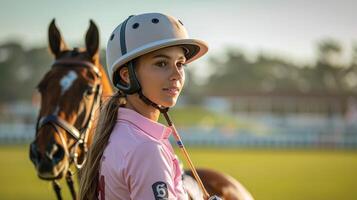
268, 174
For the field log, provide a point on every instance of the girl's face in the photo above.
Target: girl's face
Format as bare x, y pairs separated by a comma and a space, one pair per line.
161, 75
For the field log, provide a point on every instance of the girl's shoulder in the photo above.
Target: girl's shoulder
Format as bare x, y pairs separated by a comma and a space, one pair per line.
127, 137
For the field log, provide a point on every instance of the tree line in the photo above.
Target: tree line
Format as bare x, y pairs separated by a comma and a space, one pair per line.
21, 69
328, 74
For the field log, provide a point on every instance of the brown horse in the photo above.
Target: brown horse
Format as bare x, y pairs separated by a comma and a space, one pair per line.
71, 92
220, 184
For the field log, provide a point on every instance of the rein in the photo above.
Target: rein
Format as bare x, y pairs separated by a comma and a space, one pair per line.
80, 135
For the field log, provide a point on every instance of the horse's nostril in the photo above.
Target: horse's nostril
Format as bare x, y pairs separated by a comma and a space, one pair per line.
58, 154
34, 153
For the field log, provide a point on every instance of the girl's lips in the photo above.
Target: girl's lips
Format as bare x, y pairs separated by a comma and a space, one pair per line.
172, 91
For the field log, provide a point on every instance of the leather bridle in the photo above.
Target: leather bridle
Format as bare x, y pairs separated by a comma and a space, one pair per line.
81, 136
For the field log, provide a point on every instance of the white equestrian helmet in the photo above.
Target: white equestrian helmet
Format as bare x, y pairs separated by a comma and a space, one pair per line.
148, 32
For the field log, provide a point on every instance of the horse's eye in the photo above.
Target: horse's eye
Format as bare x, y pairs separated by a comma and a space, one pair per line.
89, 91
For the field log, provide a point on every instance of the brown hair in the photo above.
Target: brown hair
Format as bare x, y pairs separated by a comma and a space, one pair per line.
89, 172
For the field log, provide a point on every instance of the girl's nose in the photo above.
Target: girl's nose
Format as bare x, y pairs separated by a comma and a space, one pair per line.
177, 73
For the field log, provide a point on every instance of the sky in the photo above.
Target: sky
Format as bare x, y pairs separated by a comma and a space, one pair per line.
282, 28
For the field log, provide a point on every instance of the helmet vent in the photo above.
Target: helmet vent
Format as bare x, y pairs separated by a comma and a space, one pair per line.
135, 26
155, 20
112, 37
180, 22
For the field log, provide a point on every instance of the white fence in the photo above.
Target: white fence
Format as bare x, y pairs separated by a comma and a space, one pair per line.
16, 133
315, 138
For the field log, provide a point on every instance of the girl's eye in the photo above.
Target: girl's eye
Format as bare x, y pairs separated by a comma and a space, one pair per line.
161, 64
181, 65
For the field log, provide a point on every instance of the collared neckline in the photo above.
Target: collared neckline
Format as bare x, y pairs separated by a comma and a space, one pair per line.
150, 127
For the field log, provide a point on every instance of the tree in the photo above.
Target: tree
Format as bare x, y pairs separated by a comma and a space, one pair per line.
328, 73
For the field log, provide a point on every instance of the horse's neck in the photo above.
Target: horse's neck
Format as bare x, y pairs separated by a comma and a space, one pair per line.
106, 93
107, 87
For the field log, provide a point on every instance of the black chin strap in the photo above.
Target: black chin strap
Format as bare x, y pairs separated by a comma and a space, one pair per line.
150, 103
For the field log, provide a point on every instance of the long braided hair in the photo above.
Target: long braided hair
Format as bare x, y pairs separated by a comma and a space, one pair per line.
89, 172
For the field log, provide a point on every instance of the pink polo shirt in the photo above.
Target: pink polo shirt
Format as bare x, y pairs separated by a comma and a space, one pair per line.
139, 162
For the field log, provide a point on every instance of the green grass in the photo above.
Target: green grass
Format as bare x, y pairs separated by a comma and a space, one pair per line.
193, 116
293, 175
197, 116
18, 177
268, 174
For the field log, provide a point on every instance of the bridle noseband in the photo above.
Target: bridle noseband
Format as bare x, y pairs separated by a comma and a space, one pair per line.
81, 136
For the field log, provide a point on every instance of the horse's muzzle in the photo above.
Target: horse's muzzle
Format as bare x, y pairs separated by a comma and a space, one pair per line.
48, 163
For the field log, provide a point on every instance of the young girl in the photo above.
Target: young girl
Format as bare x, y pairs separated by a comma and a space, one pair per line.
131, 157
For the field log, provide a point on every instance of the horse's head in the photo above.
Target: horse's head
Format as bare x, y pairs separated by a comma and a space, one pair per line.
70, 92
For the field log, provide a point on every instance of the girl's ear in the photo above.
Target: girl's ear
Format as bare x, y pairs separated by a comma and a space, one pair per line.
124, 75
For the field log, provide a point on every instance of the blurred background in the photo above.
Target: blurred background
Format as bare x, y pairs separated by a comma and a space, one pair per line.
274, 102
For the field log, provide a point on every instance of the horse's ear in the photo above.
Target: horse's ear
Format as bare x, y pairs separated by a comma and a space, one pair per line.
55, 39
92, 39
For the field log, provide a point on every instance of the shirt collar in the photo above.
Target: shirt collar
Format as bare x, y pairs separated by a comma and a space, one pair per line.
150, 127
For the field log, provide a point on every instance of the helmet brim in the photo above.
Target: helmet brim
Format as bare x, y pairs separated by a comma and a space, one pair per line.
196, 48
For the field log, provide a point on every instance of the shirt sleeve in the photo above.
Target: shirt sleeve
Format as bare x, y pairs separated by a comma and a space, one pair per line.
149, 173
